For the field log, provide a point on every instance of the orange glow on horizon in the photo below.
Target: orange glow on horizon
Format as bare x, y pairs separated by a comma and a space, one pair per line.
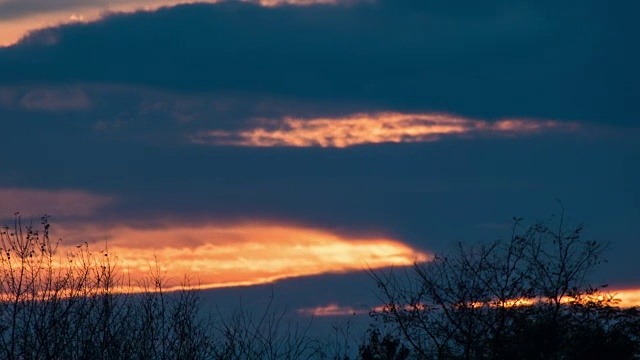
364, 128
246, 254
12, 30
626, 298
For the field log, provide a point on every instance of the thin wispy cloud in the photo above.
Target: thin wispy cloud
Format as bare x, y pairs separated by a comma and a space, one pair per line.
53, 202
364, 128
332, 310
54, 99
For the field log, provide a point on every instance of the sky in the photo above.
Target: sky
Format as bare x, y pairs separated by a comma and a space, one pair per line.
294, 144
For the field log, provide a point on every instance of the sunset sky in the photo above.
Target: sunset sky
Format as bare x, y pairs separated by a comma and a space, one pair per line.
299, 142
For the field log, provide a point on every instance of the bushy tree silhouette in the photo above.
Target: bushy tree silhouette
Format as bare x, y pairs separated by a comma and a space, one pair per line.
382, 347
528, 297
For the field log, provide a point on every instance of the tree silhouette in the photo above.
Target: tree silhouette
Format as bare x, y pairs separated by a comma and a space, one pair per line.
78, 306
382, 347
528, 297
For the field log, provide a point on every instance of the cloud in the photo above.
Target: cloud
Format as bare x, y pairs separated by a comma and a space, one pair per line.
505, 61
114, 112
624, 298
332, 310
153, 79
20, 8
20, 17
60, 203
375, 128
240, 254
59, 99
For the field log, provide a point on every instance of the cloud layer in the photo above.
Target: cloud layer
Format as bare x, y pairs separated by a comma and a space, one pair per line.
404, 56
297, 106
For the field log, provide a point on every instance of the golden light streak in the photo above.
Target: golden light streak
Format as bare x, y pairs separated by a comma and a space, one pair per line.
626, 298
366, 128
246, 254
12, 30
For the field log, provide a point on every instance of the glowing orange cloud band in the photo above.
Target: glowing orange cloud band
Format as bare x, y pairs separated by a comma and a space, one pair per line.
364, 128
247, 254
12, 30
626, 298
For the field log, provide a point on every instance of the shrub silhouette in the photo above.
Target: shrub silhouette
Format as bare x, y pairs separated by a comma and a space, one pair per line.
78, 306
382, 347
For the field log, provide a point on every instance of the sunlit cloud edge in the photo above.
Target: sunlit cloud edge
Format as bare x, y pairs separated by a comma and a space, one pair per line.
14, 31
372, 128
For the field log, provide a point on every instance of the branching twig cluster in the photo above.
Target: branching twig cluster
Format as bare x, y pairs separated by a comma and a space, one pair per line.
528, 297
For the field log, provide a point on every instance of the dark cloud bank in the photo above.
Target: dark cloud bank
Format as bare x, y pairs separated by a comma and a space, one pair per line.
525, 58
132, 84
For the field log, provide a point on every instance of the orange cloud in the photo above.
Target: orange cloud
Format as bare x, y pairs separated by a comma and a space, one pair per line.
365, 128
244, 254
37, 16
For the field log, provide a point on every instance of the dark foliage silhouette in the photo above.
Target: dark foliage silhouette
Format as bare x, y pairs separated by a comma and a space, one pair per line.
79, 306
527, 297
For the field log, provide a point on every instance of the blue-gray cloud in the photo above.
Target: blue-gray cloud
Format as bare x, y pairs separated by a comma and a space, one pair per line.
525, 58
